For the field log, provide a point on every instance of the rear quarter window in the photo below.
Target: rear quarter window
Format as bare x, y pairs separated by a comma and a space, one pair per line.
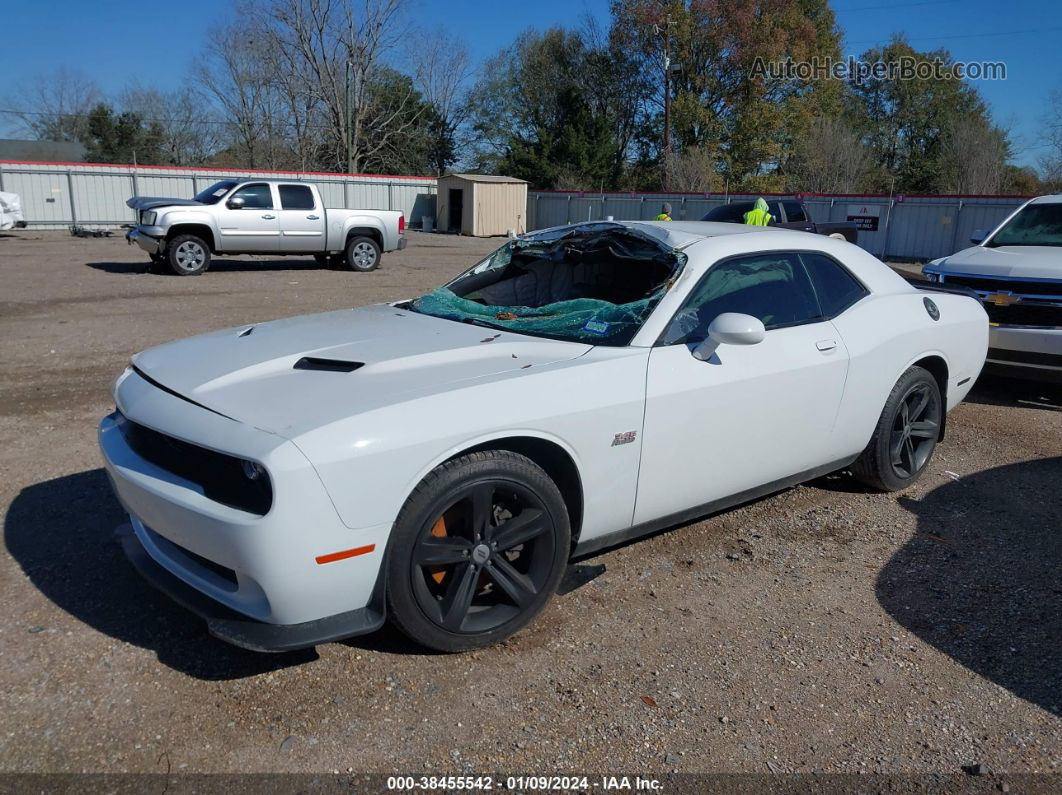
837, 289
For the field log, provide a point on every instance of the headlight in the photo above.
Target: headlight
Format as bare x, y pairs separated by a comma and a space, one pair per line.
147, 218
252, 471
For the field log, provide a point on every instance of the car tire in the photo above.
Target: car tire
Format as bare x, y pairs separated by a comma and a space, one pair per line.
362, 254
188, 255
906, 434
476, 587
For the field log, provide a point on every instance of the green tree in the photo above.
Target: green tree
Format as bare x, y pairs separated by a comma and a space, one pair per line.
537, 116
905, 121
112, 137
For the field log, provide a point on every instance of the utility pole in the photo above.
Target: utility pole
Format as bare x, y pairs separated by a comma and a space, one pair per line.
665, 31
347, 123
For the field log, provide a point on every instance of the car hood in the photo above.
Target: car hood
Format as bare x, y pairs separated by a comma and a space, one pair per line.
151, 202
249, 373
1019, 262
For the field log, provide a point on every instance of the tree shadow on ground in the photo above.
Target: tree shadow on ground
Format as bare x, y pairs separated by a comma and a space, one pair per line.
981, 579
61, 534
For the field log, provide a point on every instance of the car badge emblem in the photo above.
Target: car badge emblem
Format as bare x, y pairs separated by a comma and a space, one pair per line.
1003, 299
624, 438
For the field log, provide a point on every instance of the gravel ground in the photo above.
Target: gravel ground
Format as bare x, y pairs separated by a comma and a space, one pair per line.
822, 629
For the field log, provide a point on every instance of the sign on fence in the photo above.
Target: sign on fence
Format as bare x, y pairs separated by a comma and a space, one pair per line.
866, 215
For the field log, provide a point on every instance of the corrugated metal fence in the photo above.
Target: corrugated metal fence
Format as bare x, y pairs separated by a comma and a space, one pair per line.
57, 195
907, 227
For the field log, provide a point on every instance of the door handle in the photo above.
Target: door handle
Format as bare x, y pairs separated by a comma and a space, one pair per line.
268, 217
313, 217
826, 345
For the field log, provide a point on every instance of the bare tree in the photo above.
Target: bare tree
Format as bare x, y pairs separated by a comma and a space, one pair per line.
442, 67
1051, 160
830, 158
693, 170
974, 156
238, 80
56, 106
340, 47
190, 128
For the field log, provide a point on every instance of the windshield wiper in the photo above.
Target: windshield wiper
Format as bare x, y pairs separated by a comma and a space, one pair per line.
477, 322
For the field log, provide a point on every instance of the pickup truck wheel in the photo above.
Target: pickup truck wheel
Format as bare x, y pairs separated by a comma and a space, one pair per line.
188, 255
477, 551
363, 254
906, 434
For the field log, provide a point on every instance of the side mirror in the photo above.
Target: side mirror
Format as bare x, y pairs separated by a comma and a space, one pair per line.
730, 328
235, 203
978, 237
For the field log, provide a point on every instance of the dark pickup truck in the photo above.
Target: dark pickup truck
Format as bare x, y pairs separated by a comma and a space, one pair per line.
787, 213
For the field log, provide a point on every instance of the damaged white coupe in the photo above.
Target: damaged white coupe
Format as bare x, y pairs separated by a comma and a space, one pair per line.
438, 461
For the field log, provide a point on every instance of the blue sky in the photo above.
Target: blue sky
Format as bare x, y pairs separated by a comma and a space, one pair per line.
114, 41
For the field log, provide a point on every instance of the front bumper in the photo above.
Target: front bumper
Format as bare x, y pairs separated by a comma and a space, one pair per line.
1026, 350
150, 244
230, 626
265, 569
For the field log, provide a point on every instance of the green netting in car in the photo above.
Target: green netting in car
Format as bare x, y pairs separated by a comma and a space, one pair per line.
587, 319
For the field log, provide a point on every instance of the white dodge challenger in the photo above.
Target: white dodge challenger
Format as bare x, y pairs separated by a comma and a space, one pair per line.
438, 461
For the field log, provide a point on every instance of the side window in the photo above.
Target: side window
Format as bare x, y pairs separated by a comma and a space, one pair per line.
772, 287
794, 212
734, 212
255, 197
836, 288
775, 209
296, 197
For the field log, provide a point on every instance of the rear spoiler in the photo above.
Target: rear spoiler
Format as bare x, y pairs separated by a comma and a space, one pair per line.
932, 287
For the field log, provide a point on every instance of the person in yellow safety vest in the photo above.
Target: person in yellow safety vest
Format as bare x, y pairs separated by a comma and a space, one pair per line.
758, 215
665, 213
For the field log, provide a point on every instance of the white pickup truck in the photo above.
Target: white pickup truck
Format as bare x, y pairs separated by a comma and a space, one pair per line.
1016, 271
258, 216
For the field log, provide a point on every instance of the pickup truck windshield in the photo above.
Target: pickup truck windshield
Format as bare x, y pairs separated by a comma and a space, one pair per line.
1036, 225
213, 194
596, 284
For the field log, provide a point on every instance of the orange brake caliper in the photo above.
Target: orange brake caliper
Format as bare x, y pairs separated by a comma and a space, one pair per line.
439, 531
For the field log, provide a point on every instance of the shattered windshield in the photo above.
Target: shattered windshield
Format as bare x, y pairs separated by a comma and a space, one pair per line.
596, 283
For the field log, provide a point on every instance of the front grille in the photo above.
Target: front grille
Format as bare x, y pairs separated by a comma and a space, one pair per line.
220, 476
988, 284
1025, 313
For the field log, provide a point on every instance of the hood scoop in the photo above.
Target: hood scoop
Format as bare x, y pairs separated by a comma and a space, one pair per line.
327, 365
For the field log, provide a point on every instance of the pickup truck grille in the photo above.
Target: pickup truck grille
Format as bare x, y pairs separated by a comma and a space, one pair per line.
1025, 314
220, 476
1037, 304
988, 284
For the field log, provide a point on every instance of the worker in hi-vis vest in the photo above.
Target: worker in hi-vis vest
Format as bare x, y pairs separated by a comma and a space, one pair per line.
665, 213
758, 215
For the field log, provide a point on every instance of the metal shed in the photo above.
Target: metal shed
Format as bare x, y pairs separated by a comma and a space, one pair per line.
481, 205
